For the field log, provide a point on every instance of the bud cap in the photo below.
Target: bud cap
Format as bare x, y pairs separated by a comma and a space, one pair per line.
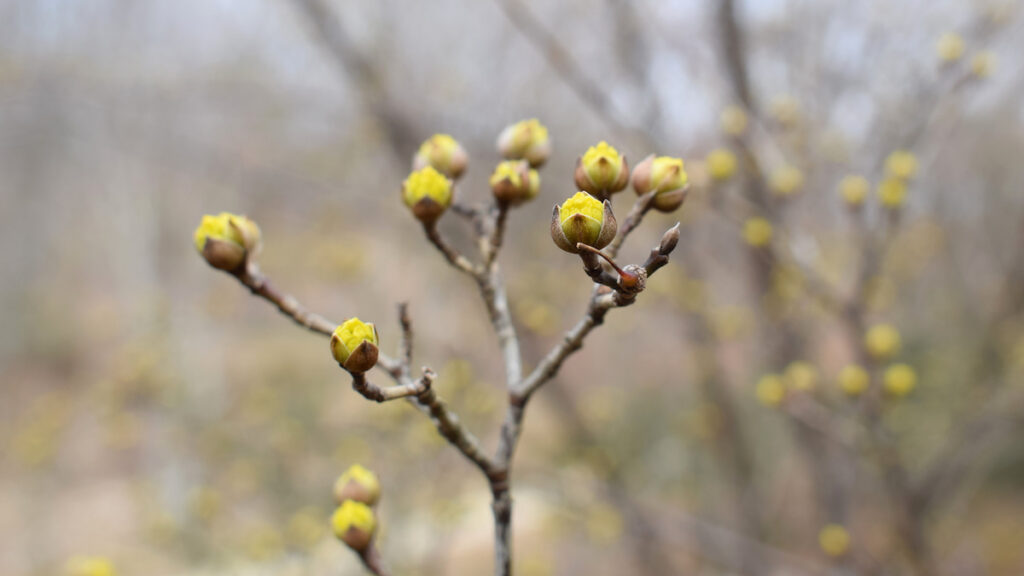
354, 345
583, 219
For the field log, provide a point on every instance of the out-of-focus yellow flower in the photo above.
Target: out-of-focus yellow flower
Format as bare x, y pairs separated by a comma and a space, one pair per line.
354, 524
359, 484
834, 540
354, 345
892, 192
853, 380
89, 566
785, 109
583, 219
428, 193
786, 180
801, 376
264, 542
721, 164
525, 140
757, 232
882, 341
305, 528
733, 120
226, 240
665, 176
854, 190
983, 64
901, 164
771, 390
205, 503
899, 380
514, 182
949, 47
604, 524
444, 154
602, 171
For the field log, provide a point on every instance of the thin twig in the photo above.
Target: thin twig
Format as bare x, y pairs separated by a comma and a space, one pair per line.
456, 259
636, 214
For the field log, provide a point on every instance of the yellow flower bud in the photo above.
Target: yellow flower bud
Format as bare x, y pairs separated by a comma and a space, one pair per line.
834, 540
526, 140
801, 377
983, 64
899, 380
854, 380
892, 192
359, 484
444, 154
786, 181
89, 566
721, 164
428, 193
901, 164
583, 219
354, 524
602, 171
354, 345
882, 341
733, 120
770, 390
227, 240
757, 232
854, 190
949, 47
514, 182
666, 177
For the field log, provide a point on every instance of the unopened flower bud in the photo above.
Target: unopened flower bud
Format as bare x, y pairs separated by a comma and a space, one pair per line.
899, 380
853, 380
669, 240
721, 164
602, 171
89, 566
359, 484
227, 240
514, 182
525, 140
444, 154
854, 190
354, 345
354, 524
583, 219
664, 176
882, 341
428, 193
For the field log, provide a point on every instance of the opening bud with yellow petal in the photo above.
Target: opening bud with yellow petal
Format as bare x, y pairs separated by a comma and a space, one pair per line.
899, 380
901, 164
354, 345
721, 164
354, 524
786, 181
525, 140
853, 380
444, 154
854, 190
583, 219
602, 171
359, 484
514, 182
428, 193
882, 341
226, 241
664, 176
89, 566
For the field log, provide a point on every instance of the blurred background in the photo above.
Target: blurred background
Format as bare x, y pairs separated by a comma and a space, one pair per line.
155, 415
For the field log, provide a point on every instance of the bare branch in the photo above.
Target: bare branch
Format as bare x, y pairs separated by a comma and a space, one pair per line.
636, 214
453, 256
371, 391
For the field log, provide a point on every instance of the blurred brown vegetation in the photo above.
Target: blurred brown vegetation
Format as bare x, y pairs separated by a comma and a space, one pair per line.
155, 414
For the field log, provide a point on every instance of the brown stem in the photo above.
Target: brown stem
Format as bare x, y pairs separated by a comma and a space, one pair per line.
372, 560
636, 215
452, 255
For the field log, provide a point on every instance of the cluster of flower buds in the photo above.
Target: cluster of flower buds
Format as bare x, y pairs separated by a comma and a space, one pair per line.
354, 345
602, 171
583, 219
665, 176
442, 153
514, 182
525, 140
428, 193
354, 522
227, 241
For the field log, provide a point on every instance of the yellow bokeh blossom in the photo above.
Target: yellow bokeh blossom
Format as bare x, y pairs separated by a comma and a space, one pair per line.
721, 164
899, 380
882, 341
901, 164
853, 380
733, 120
949, 47
771, 390
757, 232
786, 180
854, 190
892, 192
801, 376
834, 540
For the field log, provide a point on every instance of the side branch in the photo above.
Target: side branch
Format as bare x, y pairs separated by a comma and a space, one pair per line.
636, 215
371, 391
258, 284
456, 259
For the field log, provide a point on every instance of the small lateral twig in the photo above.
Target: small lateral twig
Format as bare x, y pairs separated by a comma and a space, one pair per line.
451, 254
636, 215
